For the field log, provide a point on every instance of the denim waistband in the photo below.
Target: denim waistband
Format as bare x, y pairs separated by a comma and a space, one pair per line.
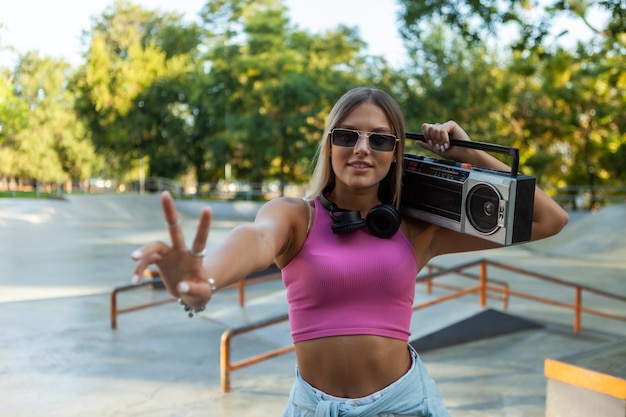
369, 398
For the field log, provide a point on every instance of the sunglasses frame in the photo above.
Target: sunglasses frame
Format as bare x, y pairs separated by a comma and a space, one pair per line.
367, 135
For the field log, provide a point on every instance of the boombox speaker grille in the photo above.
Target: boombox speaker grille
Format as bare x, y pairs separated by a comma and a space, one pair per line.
483, 202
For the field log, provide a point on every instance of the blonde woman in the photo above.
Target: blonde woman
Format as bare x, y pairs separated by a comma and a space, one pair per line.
348, 262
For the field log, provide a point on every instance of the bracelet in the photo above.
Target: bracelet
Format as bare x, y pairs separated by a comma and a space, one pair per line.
213, 286
190, 310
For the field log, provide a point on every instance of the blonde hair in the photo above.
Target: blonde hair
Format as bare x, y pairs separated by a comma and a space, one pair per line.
390, 187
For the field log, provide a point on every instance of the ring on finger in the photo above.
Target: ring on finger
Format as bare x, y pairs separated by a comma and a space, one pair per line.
200, 254
173, 225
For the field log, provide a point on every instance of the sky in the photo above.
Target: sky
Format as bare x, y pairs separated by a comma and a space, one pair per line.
54, 27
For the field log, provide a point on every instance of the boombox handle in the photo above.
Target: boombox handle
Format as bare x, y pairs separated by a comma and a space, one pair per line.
487, 147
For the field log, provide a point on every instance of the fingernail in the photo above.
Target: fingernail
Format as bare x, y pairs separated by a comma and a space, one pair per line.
136, 254
183, 287
446, 145
136, 279
430, 142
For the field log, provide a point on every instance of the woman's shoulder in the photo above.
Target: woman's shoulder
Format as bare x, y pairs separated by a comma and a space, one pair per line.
295, 208
297, 215
290, 202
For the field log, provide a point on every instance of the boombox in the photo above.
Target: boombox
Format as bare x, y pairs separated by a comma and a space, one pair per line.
487, 203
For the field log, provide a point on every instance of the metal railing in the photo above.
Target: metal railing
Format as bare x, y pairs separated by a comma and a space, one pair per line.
483, 287
227, 366
153, 280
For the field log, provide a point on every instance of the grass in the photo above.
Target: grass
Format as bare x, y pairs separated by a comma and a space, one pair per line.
28, 194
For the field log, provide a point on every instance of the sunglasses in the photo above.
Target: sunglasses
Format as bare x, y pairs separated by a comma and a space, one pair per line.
382, 142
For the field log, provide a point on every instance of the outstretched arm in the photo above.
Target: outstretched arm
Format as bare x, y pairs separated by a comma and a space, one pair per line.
247, 248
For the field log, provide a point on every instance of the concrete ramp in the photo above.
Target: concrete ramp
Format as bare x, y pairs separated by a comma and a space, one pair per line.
484, 324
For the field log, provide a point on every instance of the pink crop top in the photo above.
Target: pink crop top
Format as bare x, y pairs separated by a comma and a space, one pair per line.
350, 284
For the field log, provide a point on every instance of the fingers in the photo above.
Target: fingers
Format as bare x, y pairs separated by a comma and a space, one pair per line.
146, 256
176, 262
173, 221
202, 233
437, 136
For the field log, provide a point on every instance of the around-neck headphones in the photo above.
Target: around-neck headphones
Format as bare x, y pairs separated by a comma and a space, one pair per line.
382, 220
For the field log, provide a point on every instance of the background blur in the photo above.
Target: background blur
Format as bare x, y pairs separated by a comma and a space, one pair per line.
230, 101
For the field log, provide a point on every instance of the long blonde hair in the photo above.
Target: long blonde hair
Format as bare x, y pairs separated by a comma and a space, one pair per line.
390, 187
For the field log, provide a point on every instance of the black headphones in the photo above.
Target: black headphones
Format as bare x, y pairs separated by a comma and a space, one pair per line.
382, 220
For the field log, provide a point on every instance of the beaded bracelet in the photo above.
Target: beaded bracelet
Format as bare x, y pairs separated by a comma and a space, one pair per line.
190, 310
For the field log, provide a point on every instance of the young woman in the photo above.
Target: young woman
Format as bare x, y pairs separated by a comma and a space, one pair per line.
350, 287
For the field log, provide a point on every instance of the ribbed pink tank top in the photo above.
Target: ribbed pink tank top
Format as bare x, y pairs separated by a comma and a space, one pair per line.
350, 284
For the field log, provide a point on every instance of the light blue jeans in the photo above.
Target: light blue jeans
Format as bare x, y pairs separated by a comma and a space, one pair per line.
414, 394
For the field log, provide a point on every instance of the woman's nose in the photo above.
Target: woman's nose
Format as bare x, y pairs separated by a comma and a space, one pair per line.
362, 145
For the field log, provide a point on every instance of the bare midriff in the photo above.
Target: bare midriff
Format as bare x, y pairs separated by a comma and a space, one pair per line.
352, 366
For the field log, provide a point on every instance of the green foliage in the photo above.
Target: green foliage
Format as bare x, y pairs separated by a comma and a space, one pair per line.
563, 108
46, 141
277, 82
132, 88
246, 89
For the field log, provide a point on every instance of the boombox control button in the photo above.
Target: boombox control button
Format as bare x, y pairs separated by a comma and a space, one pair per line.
465, 165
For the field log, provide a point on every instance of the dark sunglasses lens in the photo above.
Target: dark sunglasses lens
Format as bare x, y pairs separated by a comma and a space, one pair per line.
347, 138
380, 142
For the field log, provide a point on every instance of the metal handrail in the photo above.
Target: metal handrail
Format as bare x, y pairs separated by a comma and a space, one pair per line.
576, 306
579, 289
429, 281
226, 366
155, 280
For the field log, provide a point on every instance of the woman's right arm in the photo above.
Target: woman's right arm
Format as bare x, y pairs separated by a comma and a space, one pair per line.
247, 248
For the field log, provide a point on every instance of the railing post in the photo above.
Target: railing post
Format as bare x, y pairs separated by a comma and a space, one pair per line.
483, 283
114, 309
505, 298
578, 309
429, 282
225, 361
242, 292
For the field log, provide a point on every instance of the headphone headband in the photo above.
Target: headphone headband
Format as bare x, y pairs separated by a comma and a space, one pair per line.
382, 220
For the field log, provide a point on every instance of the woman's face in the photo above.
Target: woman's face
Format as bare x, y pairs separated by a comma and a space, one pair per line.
360, 167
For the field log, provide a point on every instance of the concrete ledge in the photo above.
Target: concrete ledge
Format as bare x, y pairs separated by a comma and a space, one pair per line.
588, 383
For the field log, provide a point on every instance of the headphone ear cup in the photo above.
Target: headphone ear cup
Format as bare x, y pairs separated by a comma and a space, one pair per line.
347, 222
383, 221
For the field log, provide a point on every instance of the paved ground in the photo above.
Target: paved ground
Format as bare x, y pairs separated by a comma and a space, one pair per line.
58, 356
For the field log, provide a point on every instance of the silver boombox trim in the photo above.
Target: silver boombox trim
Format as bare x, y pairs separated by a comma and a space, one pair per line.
490, 204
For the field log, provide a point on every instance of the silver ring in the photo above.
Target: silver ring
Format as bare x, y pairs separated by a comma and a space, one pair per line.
200, 254
171, 226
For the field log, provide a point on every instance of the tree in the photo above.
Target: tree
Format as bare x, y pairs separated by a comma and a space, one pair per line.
133, 86
13, 118
273, 84
563, 107
51, 144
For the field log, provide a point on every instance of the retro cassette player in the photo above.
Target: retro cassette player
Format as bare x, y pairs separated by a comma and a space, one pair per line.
490, 204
